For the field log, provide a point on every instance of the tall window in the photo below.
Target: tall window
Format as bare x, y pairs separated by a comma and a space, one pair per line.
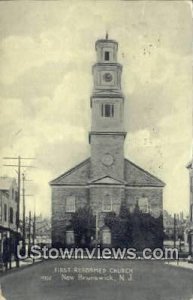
0, 210
191, 212
144, 205
5, 212
107, 110
191, 185
11, 215
70, 204
107, 203
16, 196
107, 55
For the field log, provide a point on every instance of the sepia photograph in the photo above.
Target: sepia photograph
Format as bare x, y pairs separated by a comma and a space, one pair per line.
96, 150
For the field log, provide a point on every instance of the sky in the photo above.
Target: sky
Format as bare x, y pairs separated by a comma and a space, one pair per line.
46, 55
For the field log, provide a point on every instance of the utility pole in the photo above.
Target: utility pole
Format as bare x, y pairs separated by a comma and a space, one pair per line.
24, 231
34, 223
174, 230
34, 227
29, 241
24, 209
19, 166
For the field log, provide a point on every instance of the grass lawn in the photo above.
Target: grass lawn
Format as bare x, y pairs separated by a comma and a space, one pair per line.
150, 281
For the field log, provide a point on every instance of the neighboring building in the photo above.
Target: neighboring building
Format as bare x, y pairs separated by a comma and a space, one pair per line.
40, 233
178, 221
105, 179
190, 226
175, 227
8, 213
168, 222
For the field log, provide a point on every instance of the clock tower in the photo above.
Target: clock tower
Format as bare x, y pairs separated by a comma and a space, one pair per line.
107, 103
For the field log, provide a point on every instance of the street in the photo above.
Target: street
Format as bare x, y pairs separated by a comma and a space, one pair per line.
76, 279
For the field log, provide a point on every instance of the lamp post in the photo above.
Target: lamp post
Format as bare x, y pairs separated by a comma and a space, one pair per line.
9, 248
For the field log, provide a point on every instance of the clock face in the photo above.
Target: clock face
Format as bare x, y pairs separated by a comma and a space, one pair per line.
108, 77
107, 159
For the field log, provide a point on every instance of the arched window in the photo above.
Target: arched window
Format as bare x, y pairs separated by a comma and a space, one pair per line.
144, 205
70, 204
107, 203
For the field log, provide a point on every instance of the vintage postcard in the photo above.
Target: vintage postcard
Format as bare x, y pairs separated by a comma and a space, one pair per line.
96, 171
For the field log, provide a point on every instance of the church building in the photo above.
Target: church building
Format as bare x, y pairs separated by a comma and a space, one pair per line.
105, 179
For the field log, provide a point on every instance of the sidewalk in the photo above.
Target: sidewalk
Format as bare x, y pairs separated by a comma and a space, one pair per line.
26, 262
22, 264
180, 264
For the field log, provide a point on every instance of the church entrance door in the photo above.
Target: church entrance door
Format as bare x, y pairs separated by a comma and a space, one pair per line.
70, 237
106, 236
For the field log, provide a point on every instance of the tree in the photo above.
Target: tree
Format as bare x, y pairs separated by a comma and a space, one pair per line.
120, 226
137, 229
125, 226
110, 220
83, 224
147, 230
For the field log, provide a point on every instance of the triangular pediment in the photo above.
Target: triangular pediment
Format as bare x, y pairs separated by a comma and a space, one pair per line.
136, 176
107, 180
75, 176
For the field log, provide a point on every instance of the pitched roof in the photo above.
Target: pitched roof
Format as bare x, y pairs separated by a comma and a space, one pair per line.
77, 175
6, 183
136, 176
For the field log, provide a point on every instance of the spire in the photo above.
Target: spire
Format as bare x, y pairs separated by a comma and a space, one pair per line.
107, 35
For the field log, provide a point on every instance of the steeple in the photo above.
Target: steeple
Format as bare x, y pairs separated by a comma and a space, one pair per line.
107, 103
107, 71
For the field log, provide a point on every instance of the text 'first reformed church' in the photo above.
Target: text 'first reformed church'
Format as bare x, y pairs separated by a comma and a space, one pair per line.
106, 178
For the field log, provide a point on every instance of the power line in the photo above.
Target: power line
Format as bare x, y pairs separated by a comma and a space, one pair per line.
20, 158
19, 166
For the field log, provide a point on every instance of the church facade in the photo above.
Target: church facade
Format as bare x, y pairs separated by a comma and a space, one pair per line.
105, 179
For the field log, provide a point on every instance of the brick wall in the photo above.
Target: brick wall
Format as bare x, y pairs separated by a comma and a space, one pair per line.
97, 196
154, 196
102, 144
60, 219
